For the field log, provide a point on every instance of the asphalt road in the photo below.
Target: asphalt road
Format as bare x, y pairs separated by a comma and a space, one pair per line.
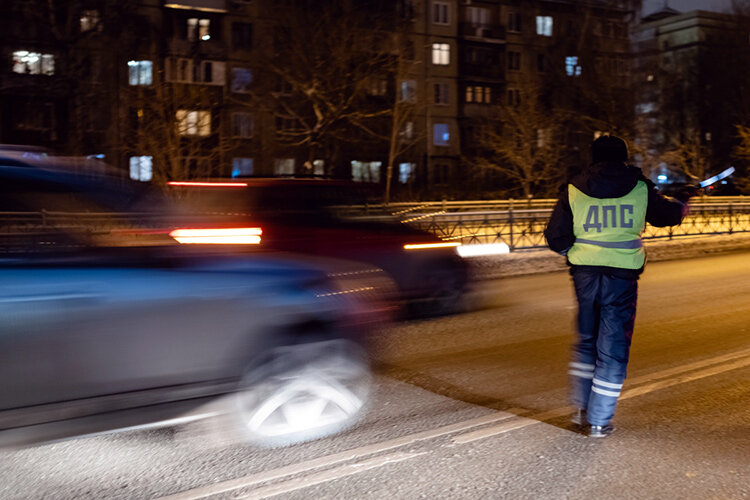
474, 406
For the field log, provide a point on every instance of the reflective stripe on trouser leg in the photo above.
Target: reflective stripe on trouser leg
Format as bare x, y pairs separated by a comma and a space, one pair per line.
618, 301
581, 368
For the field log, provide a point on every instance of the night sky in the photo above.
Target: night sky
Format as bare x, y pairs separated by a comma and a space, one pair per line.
650, 6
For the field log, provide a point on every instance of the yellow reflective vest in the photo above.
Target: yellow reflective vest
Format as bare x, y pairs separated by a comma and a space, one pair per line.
608, 230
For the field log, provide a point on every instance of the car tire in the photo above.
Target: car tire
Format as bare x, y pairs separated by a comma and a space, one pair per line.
303, 392
446, 294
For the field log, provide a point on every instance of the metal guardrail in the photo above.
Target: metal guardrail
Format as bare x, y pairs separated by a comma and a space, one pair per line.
400, 209
523, 229
520, 225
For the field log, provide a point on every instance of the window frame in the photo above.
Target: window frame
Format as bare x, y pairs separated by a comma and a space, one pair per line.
193, 122
439, 131
441, 93
243, 125
441, 54
545, 25
137, 68
441, 13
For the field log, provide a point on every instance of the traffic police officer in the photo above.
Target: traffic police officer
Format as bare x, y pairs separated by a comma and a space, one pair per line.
597, 223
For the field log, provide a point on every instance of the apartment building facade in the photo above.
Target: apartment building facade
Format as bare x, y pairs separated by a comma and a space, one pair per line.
689, 69
174, 89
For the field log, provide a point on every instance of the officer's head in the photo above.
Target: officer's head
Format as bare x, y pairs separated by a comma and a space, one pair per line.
609, 148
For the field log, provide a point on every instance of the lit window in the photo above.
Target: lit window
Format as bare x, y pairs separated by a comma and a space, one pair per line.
544, 25
241, 80
366, 171
478, 16
198, 29
441, 93
319, 167
283, 166
140, 72
193, 122
33, 63
441, 54
440, 13
180, 69
90, 21
242, 125
141, 168
406, 172
441, 135
571, 66
378, 86
407, 132
242, 167
210, 72
408, 91
479, 94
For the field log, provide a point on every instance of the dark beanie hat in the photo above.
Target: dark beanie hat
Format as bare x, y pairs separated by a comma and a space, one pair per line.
609, 148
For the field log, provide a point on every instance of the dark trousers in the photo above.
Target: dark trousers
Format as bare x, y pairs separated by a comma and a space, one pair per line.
606, 315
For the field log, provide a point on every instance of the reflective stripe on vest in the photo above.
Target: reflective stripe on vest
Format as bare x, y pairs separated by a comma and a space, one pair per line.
612, 244
608, 230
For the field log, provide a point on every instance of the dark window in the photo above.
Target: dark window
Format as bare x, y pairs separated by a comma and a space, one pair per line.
242, 35
514, 22
541, 63
514, 60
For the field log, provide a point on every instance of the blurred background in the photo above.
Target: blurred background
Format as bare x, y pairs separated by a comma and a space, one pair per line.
429, 100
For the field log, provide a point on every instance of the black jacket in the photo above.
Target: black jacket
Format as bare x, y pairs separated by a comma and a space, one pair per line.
609, 180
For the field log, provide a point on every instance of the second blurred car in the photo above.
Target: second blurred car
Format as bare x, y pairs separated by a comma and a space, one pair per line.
298, 215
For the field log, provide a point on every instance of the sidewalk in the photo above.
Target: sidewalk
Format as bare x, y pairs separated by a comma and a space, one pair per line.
544, 260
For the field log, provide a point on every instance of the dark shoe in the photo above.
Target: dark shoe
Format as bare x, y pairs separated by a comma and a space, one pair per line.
600, 431
579, 417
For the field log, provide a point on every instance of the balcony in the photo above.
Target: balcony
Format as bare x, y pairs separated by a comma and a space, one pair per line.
488, 32
493, 71
218, 6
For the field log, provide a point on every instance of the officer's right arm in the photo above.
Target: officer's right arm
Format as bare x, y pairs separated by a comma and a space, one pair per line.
663, 210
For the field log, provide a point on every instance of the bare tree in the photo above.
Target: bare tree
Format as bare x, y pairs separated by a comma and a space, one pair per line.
523, 141
178, 125
689, 156
318, 71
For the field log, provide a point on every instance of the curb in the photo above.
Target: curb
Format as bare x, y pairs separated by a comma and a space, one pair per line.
539, 261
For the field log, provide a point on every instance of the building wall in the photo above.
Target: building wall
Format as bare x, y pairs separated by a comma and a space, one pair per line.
96, 113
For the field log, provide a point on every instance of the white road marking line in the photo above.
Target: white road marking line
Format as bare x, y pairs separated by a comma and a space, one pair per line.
514, 424
688, 377
652, 382
677, 370
289, 470
328, 475
538, 418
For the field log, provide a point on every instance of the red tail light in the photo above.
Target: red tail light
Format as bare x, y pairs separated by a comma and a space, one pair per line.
218, 236
207, 184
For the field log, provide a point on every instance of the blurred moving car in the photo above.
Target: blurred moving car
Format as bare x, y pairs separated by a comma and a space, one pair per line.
98, 335
299, 215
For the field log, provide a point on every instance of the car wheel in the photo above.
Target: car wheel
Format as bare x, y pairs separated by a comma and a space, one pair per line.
445, 294
303, 392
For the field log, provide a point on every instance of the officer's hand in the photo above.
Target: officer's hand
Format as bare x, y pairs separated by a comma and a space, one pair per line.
684, 193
